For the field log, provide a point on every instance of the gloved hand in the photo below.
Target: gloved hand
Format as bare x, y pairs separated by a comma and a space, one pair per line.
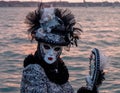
86, 90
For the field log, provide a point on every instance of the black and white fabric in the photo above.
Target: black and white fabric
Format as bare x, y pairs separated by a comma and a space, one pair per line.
34, 80
40, 77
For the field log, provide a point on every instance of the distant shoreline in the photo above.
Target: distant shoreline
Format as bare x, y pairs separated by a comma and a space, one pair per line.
59, 4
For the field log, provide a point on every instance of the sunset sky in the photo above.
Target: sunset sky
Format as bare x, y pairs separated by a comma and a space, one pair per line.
67, 0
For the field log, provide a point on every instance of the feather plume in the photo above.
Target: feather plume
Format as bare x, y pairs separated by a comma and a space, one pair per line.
70, 31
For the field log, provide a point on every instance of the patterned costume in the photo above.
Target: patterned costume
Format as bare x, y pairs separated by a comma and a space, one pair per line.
45, 71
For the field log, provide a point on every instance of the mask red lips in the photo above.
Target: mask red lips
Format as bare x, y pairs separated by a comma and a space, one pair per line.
50, 58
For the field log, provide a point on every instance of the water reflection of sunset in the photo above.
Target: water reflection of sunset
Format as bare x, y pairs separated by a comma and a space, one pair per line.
29, 49
101, 30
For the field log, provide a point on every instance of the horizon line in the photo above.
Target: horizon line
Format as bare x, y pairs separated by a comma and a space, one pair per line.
56, 1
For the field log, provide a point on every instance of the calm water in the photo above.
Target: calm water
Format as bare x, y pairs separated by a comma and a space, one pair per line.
101, 29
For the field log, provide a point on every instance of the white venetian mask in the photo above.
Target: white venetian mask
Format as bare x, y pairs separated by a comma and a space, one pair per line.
49, 52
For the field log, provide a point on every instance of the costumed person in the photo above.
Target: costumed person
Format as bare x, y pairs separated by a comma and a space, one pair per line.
44, 71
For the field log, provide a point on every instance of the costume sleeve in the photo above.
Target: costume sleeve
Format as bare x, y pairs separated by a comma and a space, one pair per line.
67, 88
33, 80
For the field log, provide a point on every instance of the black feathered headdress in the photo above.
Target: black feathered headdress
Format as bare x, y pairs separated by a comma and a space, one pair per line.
53, 25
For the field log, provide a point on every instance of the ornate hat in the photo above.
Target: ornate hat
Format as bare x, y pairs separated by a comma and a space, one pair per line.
53, 25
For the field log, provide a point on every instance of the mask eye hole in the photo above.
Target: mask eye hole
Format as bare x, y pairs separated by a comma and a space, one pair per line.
46, 47
57, 49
